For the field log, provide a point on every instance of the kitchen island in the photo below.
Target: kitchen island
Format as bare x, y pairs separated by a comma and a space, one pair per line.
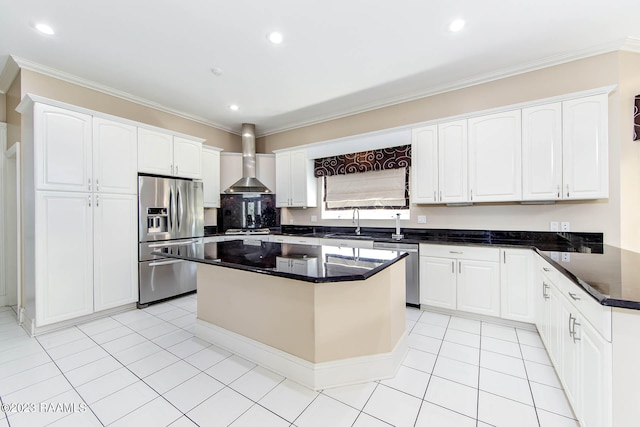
321, 315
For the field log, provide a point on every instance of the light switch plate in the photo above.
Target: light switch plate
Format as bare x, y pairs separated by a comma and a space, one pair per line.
314, 218
565, 226
554, 226
566, 257
555, 256
422, 219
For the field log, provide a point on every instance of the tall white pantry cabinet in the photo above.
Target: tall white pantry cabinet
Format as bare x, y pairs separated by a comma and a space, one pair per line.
80, 214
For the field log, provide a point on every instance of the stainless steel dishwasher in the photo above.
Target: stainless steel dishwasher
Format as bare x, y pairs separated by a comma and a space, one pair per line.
412, 266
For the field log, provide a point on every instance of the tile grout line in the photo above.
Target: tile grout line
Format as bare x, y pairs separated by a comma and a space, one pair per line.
432, 369
67, 379
526, 372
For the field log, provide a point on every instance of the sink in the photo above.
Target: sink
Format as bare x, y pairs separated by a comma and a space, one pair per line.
350, 236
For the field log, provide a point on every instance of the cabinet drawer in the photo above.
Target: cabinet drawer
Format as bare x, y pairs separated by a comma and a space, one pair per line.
460, 252
598, 315
295, 239
346, 243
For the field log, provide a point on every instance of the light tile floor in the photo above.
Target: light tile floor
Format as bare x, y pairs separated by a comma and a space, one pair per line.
145, 368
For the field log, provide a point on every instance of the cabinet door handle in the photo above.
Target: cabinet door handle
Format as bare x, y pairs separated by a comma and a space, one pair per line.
544, 290
575, 334
98, 201
504, 257
453, 266
575, 297
567, 190
89, 200
455, 252
440, 195
471, 192
570, 324
177, 170
558, 191
89, 184
460, 267
434, 196
97, 184
546, 269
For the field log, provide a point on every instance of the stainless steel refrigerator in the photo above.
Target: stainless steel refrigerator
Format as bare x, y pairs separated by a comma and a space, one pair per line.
170, 213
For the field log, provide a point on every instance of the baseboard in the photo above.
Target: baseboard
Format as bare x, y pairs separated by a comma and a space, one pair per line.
29, 324
481, 317
316, 376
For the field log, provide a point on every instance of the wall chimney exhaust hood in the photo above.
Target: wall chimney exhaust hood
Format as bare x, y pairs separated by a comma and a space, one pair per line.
248, 183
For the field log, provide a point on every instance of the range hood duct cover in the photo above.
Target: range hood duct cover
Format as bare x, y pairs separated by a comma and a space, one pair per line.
248, 183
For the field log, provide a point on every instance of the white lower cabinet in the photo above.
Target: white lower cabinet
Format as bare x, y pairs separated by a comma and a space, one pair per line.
85, 254
301, 266
579, 352
115, 266
438, 282
479, 286
460, 278
517, 285
63, 256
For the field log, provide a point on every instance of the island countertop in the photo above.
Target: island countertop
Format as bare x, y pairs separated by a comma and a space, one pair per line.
309, 263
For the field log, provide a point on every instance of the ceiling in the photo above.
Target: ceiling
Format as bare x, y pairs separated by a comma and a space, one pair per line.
338, 57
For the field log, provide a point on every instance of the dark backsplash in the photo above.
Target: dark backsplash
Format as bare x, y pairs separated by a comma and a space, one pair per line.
244, 211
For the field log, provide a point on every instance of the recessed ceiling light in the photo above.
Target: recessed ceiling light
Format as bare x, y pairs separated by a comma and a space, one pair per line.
234, 107
216, 71
275, 37
45, 29
457, 25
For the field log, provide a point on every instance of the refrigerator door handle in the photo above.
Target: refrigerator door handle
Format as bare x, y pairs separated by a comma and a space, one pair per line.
170, 215
180, 208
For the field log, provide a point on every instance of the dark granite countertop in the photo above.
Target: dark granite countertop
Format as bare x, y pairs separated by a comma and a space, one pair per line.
329, 263
609, 274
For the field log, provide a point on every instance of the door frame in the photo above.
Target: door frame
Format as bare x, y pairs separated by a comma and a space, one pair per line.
12, 155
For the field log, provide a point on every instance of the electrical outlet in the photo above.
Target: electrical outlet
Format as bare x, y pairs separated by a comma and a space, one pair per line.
422, 219
566, 257
290, 221
565, 226
314, 218
555, 256
554, 226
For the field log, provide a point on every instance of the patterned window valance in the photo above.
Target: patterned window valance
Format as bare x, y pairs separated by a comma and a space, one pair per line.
364, 161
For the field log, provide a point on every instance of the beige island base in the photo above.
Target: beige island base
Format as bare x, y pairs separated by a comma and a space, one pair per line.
318, 334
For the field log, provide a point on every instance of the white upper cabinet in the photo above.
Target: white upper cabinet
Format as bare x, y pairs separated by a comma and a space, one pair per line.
161, 153
585, 148
452, 164
187, 158
115, 157
495, 157
424, 165
211, 177
542, 152
155, 152
62, 149
439, 163
565, 150
294, 180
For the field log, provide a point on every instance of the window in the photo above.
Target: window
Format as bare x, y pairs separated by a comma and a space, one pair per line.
376, 182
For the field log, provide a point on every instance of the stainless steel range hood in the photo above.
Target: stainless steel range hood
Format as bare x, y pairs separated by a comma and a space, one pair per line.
248, 183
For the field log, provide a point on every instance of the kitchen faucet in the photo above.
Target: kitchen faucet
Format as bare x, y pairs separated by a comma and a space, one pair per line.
356, 217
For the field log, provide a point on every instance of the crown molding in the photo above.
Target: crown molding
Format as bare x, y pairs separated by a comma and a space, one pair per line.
8, 75
629, 43
25, 64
